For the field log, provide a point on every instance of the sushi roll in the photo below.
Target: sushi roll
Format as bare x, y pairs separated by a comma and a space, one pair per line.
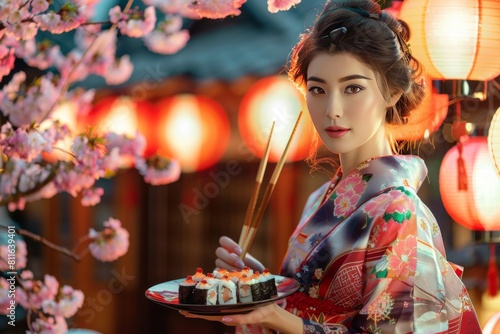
270, 283
247, 271
186, 290
244, 291
220, 272
226, 291
198, 276
235, 276
205, 294
257, 287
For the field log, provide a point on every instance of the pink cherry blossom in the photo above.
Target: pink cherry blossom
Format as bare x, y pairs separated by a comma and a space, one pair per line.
119, 71
92, 196
162, 43
65, 304
157, 170
134, 23
276, 5
180, 7
33, 292
217, 9
49, 325
167, 38
41, 55
39, 6
111, 243
7, 59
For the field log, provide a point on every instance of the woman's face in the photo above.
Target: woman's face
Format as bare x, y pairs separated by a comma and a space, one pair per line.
346, 105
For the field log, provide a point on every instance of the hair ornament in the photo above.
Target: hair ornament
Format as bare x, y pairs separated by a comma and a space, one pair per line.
336, 35
405, 47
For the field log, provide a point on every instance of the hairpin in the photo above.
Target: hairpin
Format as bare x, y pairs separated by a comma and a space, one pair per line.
336, 33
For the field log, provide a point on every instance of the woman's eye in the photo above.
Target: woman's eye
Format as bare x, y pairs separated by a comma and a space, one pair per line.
316, 90
353, 89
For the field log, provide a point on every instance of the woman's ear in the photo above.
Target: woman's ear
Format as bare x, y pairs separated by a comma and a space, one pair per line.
395, 96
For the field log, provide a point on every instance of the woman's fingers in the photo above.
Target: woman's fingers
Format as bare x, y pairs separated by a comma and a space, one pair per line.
228, 254
227, 260
230, 245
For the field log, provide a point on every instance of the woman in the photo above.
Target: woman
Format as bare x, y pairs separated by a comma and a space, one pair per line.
367, 252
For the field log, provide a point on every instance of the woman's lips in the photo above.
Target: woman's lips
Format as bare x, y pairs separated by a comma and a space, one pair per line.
336, 131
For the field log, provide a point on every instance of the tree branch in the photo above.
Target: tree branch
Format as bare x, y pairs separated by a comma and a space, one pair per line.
44, 241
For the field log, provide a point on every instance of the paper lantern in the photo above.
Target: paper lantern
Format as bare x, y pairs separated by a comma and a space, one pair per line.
124, 115
476, 207
492, 326
114, 113
494, 140
65, 113
193, 129
455, 39
275, 99
424, 120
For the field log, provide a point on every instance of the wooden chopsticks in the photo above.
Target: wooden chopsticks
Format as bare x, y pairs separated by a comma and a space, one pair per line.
251, 222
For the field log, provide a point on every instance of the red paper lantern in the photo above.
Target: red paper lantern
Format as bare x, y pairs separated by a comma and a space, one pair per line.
478, 206
275, 99
193, 129
65, 113
424, 120
124, 115
455, 39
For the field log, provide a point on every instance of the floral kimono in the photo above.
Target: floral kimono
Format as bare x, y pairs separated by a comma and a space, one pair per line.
370, 258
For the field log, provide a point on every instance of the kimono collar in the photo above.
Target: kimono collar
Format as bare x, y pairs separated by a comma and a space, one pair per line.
388, 171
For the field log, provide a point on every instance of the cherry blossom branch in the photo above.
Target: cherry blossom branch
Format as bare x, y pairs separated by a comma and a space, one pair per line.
39, 186
67, 84
45, 242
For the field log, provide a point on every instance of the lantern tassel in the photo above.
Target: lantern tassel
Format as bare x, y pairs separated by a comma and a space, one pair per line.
492, 273
462, 173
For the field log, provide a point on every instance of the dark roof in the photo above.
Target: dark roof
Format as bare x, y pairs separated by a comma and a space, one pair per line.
254, 43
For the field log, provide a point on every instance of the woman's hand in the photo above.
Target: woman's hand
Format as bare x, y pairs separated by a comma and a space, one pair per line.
228, 256
270, 316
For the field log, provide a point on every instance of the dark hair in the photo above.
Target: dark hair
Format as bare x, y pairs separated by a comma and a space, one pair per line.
375, 38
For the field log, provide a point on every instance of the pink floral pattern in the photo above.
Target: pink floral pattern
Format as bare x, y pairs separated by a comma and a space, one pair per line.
348, 193
402, 257
372, 235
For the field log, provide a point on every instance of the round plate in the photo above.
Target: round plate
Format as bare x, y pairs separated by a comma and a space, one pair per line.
167, 294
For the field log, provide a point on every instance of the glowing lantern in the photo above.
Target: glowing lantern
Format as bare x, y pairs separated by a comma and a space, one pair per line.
492, 326
65, 113
126, 116
275, 99
116, 114
455, 39
425, 119
193, 129
494, 139
476, 206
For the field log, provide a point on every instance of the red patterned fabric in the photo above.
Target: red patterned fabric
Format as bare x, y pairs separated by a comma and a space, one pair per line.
370, 257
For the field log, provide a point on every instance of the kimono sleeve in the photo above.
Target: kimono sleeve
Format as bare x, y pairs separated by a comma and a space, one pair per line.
412, 287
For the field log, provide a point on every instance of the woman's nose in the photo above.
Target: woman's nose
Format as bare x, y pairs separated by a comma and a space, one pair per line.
334, 109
